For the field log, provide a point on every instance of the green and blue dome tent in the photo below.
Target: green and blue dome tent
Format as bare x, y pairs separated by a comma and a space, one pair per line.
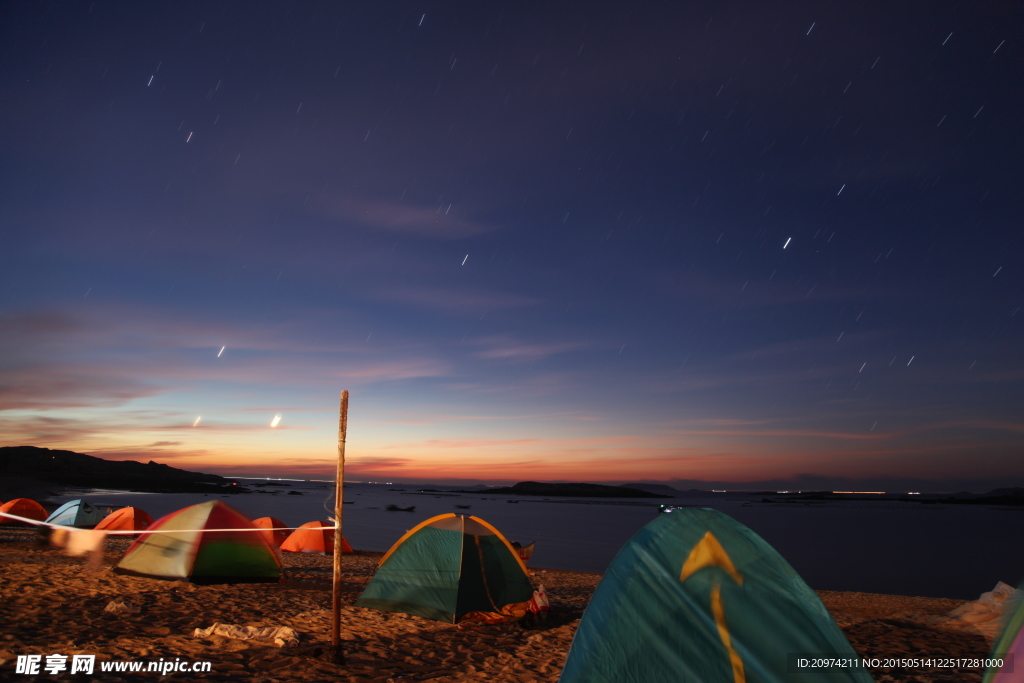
450, 568
697, 596
76, 513
205, 543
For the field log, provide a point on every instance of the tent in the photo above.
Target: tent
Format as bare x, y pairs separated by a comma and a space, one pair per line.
190, 547
76, 513
314, 537
22, 507
274, 538
1010, 646
126, 519
697, 596
450, 568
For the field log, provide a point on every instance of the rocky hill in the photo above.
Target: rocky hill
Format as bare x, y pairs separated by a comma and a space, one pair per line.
67, 468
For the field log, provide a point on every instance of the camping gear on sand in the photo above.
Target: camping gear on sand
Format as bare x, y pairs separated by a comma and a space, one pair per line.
281, 636
22, 507
697, 596
314, 537
539, 603
277, 536
190, 547
454, 569
985, 615
1010, 645
125, 519
76, 513
525, 552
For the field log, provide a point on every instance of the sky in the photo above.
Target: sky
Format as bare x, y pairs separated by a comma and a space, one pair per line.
708, 244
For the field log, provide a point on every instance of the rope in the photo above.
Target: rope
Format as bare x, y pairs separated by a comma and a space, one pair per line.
116, 532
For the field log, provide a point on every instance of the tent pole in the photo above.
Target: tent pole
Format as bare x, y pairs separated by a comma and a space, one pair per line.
337, 655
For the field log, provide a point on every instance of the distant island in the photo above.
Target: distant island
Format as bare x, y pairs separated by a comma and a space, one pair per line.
536, 488
67, 468
652, 488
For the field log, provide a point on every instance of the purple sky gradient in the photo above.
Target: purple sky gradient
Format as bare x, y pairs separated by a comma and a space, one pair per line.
701, 242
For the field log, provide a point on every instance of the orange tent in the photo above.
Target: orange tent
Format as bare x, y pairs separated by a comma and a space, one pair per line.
314, 537
274, 538
23, 507
126, 519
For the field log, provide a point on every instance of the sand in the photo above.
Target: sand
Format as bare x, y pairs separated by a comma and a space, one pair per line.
52, 603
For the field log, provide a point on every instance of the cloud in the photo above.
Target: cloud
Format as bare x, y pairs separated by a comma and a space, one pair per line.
65, 385
759, 428
117, 355
39, 430
506, 348
788, 433
378, 463
469, 443
453, 300
146, 453
445, 221
389, 371
25, 324
424, 419
164, 443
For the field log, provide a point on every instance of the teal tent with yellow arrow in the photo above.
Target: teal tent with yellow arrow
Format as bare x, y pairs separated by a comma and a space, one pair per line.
697, 596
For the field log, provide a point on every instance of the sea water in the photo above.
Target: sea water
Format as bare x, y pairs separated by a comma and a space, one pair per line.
950, 551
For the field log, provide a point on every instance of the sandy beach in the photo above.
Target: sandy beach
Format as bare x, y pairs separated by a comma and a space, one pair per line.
55, 604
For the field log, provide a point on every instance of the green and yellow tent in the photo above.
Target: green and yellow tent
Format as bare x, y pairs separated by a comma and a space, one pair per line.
697, 596
205, 543
451, 568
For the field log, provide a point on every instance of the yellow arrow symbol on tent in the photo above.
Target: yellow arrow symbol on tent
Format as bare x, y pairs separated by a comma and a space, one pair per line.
710, 553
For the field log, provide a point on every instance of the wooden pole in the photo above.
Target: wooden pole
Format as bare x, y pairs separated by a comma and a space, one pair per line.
337, 655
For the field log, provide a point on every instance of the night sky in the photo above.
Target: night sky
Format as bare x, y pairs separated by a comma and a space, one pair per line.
704, 243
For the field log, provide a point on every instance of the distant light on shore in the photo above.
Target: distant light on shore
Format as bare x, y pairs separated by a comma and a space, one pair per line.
276, 421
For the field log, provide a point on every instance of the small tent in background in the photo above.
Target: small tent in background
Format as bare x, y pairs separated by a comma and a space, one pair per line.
22, 507
126, 519
1010, 646
697, 596
77, 513
451, 568
191, 548
314, 537
276, 537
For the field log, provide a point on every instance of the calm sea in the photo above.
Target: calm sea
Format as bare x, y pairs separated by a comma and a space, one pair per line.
951, 551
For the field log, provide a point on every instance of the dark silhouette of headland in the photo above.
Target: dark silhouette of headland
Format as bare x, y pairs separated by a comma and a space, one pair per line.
29, 467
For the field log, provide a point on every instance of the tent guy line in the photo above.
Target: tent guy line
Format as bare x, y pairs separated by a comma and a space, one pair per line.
143, 531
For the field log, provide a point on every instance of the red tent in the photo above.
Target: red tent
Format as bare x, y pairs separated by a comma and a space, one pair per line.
314, 537
274, 538
23, 507
126, 519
